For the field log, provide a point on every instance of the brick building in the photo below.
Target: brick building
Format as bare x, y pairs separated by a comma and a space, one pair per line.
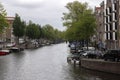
99, 14
7, 35
111, 24
108, 23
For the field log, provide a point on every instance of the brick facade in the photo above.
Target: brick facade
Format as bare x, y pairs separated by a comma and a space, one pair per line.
109, 24
7, 35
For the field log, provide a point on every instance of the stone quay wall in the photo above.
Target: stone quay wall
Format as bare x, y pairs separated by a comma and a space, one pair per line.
101, 65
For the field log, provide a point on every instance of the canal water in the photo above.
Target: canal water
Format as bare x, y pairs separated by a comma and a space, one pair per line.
46, 63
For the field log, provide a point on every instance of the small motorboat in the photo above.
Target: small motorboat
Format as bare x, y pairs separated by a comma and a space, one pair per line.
4, 52
14, 49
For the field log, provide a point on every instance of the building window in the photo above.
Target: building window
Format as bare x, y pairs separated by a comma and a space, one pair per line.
115, 6
110, 9
106, 12
107, 36
115, 16
106, 27
110, 27
111, 36
115, 35
115, 25
110, 18
106, 19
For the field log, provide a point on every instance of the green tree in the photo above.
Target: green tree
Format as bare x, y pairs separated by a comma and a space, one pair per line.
51, 34
3, 21
18, 27
75, 9
32, 31
48, 32
40, 32
79, 20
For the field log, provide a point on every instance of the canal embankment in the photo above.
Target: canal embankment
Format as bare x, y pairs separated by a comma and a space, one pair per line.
101, 65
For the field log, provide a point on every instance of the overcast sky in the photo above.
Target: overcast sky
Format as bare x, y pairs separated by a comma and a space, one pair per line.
41, 11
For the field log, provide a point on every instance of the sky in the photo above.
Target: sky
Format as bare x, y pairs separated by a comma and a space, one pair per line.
42, 12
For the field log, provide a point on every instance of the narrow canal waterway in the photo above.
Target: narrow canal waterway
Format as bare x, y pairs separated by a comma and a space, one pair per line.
46, 63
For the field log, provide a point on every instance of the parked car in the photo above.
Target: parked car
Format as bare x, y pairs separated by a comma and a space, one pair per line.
92, 54
112, 55
89, 54
88, 48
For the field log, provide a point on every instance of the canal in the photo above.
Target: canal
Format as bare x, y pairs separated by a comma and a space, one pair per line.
46, 63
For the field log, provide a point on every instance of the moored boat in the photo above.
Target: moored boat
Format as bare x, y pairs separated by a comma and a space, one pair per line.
4, 52
16, 49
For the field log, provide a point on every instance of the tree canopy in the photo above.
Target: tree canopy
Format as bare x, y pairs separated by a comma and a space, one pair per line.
3, 21
79, 20
32, 31
18, 27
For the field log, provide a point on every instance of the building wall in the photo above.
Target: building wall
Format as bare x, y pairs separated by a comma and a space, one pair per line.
99, 14
9, 30
100, 65
111, 24
7, 35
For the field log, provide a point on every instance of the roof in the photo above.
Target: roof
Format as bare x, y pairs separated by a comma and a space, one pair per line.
10, 18
97, 8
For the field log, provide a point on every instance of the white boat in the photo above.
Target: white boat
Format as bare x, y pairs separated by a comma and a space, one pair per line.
4, 52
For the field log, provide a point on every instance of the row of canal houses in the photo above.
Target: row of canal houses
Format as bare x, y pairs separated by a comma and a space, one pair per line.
108, 23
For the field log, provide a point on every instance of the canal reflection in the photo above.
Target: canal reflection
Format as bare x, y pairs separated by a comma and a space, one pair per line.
46, 63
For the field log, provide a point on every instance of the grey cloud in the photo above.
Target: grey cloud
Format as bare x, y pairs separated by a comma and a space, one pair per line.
15, 3
45, 12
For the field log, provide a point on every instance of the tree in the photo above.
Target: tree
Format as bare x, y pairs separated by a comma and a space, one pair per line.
3, 21
48, 32
18, 27
51, 34
79, 20
32, 31
40, 32
75, 9
85, 28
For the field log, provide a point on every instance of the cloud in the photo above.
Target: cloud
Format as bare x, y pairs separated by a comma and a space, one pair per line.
41, 11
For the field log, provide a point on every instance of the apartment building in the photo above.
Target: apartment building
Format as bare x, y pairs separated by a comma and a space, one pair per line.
111, 24
99, 14
108, 23
7, 35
